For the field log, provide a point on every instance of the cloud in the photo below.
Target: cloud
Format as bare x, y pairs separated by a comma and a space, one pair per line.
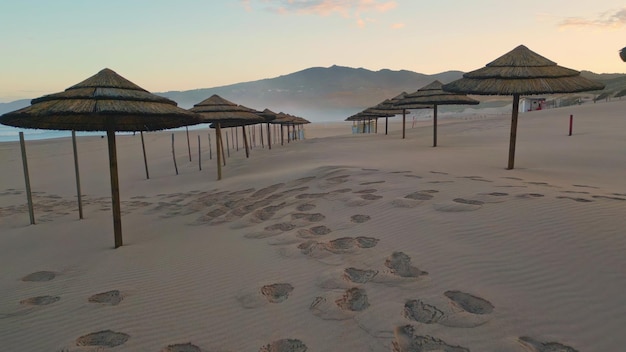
351, 9
397, 25
613, 19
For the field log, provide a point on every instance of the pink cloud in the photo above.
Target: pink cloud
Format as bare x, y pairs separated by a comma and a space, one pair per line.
345, 8
613, 19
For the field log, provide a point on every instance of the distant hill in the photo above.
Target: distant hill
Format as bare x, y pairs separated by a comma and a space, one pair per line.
318, 93
336, 92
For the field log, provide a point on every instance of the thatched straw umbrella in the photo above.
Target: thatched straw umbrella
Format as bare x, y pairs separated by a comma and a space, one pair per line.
220, 111
622, 54
104, 102
269, 116
368, 114
521, 72
388, 108
432, 94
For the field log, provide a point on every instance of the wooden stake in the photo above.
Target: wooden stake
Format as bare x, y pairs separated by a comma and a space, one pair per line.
29, 194
218, 143
435, 125
115, 188
188, 144
269, 136
245, 141
210, 148
79, 195
145, 160
227, 145
199, 155
174, 155
403, 123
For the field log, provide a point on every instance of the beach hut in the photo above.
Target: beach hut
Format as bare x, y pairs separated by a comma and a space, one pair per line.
107, 102
432, 94
521, 72
220, 111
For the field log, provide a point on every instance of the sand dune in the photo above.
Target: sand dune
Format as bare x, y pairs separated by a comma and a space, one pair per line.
339, 242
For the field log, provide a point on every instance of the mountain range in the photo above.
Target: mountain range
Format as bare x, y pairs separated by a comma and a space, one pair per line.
330, 93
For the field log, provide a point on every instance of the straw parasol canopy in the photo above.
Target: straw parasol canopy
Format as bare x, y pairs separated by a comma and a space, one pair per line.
622, 54
222, 112
104, 102
432, 94
521, 72
404, 108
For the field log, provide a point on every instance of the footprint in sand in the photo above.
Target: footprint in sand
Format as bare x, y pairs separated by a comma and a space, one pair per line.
371, 197
406, 341
337, 246
276, 293
533, 345
359, 276
106, 338
470, 303
305, 207
266, 191
608, 197
182, 347
284, 345
400, 265
366, 191
40, 276
421, 195
530, 195
110, 297
315, 217
354, 299
40, 300
417, 310
371, 183
359, 219
314, 232
458, 205
577, 199
272, 230
268, 212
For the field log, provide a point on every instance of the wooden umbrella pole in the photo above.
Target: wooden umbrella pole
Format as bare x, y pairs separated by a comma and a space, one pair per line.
269, 137
403, 123
210, 147
188, 144
232, 137
145, 160
261, 134
218, 143
513, 132
222, 147
386, 125
435, 125
199, 155
29, 194
245, 141
228, 145
174, 155
237, 138
115, 188
78, 193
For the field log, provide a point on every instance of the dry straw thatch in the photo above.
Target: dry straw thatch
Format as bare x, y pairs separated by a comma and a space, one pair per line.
103, 101
521, 72
622, 54
433, 94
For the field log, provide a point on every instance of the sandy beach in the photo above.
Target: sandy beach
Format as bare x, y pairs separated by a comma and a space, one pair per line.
340, 242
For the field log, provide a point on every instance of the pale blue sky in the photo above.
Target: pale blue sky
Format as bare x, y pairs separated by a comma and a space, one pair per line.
49, 45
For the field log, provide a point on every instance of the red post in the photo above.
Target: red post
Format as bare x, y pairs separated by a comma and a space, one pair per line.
571, 123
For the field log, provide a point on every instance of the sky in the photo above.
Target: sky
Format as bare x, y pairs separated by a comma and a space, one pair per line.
47, 46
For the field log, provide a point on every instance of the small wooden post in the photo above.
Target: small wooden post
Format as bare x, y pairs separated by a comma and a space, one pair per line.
511, 164
237, 138
78, 193
227, 145
174, 155
435, 125
210, 148
386, 125
218, 143
403, 123
115, 187
269, 137
232, 137
222, 147
145, 160
199, 155
29, 194
188, 144
571, 124
245, 141
261, 134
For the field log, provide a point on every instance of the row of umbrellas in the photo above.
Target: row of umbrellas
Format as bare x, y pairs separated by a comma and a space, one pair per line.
518, 72
109, 102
